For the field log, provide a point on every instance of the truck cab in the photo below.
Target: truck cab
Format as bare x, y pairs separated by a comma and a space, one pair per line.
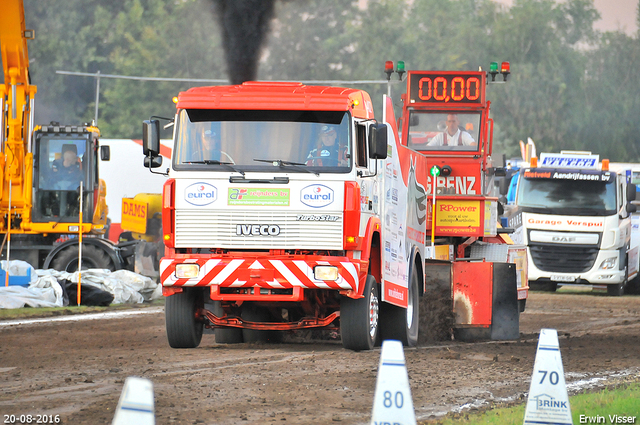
574, 214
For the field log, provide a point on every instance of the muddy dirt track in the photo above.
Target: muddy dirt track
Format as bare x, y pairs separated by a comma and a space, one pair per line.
77, 369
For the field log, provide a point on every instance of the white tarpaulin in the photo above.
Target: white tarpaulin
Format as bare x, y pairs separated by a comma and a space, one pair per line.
45, 290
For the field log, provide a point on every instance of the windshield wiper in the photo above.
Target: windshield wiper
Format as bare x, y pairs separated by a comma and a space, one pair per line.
283, 163
229, 165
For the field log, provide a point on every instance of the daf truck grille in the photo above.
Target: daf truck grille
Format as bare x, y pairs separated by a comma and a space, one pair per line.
563, 258
284, 230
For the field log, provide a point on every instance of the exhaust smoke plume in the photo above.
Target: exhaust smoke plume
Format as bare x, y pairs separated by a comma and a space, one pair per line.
245, 24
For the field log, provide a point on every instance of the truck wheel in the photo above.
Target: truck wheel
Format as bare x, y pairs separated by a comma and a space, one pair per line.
253, 313
225, 335
615, 290
400, 323
92, 258
359, 318
184, 330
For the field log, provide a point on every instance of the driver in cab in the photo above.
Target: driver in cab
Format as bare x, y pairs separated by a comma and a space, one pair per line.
328, 153
453, 135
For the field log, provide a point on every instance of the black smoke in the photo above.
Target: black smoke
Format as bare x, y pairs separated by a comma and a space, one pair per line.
245, 24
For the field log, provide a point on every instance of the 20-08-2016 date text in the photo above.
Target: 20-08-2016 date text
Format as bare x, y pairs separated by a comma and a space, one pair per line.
31, 419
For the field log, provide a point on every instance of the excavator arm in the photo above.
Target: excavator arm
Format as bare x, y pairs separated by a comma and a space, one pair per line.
16, 118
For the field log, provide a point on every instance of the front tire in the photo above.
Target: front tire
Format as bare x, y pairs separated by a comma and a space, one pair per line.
359, 318
400, 323
184, 330
615, 290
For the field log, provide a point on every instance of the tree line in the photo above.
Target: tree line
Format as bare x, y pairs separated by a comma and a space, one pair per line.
571, 86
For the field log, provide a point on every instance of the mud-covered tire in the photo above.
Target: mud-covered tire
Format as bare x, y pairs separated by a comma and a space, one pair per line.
184, 330
225, 335
359, 318
92, 258
254, 313
402, 324
616, 290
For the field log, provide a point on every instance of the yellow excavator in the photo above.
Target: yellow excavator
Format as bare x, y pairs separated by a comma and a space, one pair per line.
48, 172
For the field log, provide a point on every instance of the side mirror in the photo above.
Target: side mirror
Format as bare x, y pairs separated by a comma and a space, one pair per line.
378, 141
105, 153
631, 192
152, 161
151, 138
503, 186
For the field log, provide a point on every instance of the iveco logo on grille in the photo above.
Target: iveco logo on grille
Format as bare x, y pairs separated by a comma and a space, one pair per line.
257, 230
316, 196
200, 194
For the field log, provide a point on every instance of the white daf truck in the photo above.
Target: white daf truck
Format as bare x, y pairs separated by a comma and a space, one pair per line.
575, 214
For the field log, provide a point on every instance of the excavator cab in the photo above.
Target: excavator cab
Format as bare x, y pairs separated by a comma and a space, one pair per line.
64, 159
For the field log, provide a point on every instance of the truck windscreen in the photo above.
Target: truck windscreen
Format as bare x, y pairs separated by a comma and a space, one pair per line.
267, 141
567, 196
444, 131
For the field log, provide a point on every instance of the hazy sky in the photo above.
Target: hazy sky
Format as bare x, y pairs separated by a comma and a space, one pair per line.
615, 14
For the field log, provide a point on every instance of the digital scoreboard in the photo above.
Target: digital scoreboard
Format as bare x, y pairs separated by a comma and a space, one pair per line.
446, 87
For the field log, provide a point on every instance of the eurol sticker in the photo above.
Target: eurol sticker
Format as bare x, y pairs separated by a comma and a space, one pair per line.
200, 194
316, 196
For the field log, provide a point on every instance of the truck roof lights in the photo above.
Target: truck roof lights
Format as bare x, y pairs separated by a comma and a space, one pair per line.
400, 69
388, 69
435, 171
505, 70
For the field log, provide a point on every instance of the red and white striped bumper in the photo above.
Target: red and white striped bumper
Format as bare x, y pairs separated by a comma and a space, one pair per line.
262, 272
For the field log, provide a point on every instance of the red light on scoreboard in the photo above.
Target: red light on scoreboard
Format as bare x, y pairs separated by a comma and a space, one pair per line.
446, 88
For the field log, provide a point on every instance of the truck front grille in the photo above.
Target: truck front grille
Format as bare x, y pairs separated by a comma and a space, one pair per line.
218, 229
563, 258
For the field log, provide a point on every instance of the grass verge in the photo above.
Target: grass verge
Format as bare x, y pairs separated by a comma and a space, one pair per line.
30, 312
588, 407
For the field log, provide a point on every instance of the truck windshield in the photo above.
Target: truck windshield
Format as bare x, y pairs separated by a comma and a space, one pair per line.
267, 141
450, 131
569, 197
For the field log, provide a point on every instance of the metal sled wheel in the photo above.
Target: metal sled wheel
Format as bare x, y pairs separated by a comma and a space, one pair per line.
399, 323
184, 330
359, 318
92, 258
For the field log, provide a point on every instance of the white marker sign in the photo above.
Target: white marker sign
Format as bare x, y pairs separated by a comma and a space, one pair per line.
136, 403
392, 403
548, 402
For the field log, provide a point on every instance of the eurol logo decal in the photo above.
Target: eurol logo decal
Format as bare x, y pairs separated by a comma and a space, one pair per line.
316, 196
200, 194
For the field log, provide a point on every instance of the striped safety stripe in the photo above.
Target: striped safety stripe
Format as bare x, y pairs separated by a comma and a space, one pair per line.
287, 273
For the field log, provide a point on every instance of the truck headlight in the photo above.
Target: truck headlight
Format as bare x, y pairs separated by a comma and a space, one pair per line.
187, 271
325, 273
74, 228
609, 263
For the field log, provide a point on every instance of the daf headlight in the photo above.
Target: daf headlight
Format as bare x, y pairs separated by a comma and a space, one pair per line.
609, 263
325, 273
187, 271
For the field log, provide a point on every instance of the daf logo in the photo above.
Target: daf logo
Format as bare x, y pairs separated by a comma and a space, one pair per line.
563, 239
257, 230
